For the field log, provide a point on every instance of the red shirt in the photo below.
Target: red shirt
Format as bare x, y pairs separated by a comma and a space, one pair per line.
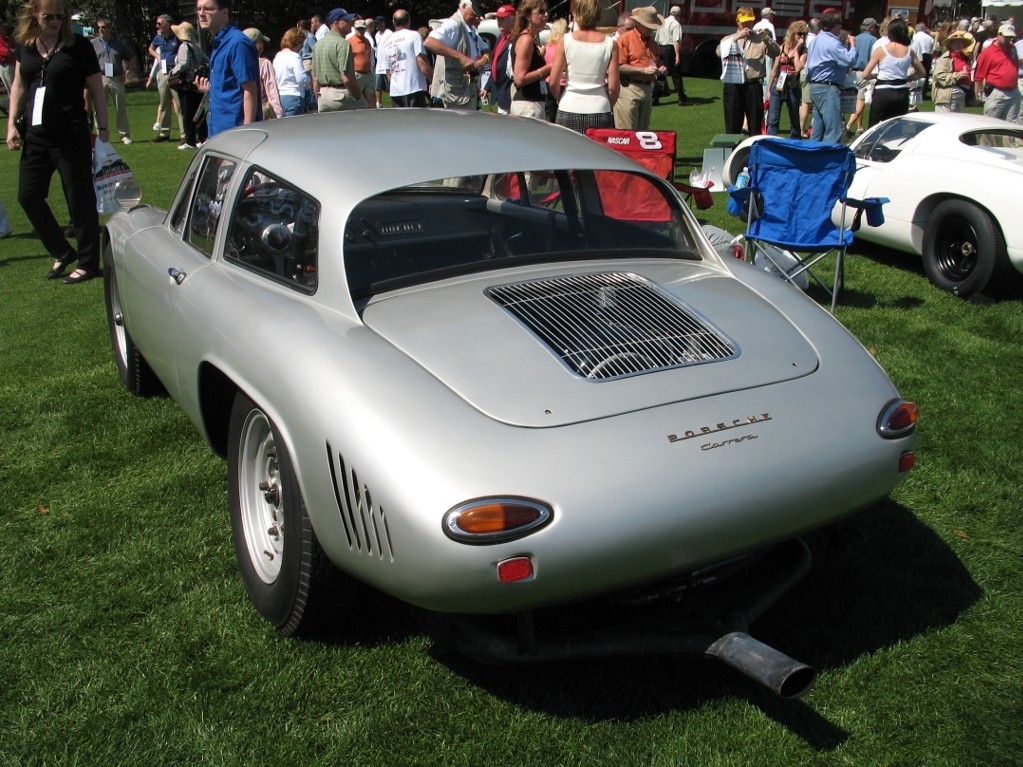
360, 53
998, 67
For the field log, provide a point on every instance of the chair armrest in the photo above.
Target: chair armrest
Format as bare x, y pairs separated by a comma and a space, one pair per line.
872, 206
701, 195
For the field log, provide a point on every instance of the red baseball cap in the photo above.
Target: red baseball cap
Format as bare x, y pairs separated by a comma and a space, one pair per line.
505, 11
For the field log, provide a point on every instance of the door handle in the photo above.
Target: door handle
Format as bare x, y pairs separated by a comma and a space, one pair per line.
176, 275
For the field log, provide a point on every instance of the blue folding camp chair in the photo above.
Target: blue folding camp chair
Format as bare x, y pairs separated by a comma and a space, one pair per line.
794, 188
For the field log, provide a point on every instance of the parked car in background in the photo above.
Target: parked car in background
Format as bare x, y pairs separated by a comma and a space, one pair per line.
951, 181
507, 375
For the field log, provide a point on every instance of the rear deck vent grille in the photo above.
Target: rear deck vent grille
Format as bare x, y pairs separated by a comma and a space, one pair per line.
612, 325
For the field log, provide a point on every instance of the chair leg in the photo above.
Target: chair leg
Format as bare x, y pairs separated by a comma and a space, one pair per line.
839, 285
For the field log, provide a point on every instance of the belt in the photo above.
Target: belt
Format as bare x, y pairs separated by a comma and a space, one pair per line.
756, 81
626, 80
832, 83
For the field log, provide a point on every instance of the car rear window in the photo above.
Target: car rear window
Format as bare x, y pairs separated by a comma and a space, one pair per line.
451, 226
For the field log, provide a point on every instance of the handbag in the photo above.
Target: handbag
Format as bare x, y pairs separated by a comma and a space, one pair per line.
108, 170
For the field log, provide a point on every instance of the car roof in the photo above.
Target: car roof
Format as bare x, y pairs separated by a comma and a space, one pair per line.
957, 123
350, 156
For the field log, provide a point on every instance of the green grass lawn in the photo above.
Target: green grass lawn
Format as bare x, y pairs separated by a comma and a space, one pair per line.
126, 637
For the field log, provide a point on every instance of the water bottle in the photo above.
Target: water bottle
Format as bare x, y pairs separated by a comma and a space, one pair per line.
743, 181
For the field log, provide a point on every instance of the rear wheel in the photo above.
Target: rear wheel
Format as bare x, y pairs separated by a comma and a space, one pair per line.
963, 248
286, 574
132, 368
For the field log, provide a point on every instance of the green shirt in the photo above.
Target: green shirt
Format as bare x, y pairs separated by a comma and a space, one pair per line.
332, 58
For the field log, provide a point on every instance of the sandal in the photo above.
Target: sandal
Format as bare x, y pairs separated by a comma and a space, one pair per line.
61, 264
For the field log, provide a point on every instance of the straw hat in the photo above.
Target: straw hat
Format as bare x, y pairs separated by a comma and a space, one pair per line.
648, 17
184, 31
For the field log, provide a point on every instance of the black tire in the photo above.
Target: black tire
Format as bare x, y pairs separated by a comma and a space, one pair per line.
286, 574
963, 248
132, 368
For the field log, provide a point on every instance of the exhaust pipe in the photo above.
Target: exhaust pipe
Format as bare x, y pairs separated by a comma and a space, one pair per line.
775, 670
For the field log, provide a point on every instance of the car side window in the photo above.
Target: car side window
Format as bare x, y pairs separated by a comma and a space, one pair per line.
180, 213
208, 203
274, 231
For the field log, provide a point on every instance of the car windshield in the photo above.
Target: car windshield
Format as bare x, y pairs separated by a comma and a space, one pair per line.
445, 227
884, 142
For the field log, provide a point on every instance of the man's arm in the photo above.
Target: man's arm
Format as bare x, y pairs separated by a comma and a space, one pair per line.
424, 66
250, 101
438, 47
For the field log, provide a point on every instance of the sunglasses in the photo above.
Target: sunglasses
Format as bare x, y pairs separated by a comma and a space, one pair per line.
54, 16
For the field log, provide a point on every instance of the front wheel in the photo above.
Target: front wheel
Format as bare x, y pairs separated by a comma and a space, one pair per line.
132, 368
286, 574
963, 248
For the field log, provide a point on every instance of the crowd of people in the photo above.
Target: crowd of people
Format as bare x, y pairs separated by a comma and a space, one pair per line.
571, 73
891, 66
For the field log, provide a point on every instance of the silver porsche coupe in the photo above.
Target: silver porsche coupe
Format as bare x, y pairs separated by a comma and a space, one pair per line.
497, 371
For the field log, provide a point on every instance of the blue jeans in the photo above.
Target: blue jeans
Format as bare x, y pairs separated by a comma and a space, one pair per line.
790, 97
826, 109
293, 105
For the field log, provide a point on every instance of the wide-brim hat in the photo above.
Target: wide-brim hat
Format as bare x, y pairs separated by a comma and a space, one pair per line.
183, 31
648, 17
743, 18
959, 36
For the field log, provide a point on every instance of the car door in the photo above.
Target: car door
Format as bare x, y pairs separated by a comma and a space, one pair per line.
161, 262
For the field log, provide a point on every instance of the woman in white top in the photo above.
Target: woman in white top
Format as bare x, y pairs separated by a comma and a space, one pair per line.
895, 64
292, 79
591, 60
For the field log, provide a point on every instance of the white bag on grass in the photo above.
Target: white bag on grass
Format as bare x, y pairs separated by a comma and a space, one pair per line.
108, 170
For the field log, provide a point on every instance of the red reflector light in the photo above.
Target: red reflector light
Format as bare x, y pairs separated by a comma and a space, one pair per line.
906, 462
515, 569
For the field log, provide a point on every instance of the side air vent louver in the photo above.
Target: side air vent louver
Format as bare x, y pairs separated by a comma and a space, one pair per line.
612, 325
365, 523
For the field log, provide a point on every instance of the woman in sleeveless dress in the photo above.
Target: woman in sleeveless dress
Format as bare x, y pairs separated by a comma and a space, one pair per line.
590, 59
894, 64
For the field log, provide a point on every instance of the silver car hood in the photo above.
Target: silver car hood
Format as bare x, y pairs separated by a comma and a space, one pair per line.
561, 347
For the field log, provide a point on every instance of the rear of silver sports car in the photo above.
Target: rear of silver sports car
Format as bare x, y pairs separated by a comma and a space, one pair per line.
652, 435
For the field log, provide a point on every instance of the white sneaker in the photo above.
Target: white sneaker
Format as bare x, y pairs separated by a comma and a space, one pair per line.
186, 146
125, 140
156, 126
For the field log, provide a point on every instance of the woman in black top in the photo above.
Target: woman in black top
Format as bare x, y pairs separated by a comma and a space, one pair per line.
48, 121
528, 64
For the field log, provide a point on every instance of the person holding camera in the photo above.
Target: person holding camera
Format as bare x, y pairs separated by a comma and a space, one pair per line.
744, 56
189, 63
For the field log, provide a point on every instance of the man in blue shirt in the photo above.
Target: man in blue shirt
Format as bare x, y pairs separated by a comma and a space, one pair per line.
864, 47
827, 64
233, 84
164, 49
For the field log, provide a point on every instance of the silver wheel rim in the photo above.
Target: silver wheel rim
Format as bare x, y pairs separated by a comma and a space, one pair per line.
117, 317
259, 497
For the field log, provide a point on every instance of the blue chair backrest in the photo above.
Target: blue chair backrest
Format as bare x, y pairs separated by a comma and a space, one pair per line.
800, 182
